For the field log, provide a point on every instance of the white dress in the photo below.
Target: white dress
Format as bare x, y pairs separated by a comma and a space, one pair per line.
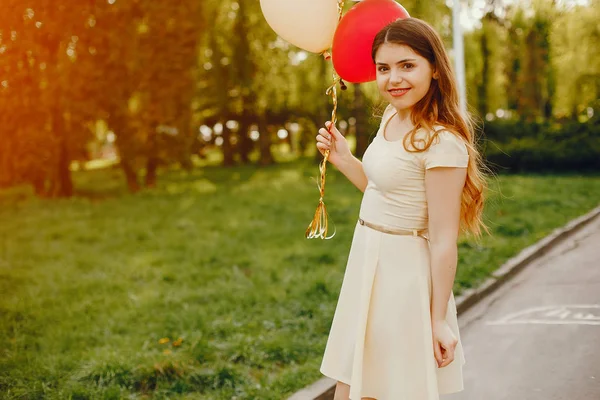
380, 341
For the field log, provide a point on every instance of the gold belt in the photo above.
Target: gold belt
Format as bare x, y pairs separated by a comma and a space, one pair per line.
394, 231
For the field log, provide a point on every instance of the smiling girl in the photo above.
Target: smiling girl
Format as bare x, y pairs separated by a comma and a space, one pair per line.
395, 333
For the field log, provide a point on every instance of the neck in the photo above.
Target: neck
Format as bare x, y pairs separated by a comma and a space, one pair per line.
404, 115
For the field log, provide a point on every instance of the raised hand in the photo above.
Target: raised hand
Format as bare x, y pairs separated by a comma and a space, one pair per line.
331, 139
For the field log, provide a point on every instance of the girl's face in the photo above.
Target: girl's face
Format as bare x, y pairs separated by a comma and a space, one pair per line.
403, 76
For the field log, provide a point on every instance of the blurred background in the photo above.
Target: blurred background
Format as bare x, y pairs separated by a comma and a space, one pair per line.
150, 84
157, 173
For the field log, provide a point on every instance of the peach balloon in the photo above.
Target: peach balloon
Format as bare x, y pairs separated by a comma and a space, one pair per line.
308, 24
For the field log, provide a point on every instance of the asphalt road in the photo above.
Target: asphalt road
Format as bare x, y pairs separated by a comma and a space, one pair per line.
538, 336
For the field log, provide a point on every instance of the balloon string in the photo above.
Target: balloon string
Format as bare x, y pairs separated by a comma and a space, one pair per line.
319, 226
340, 5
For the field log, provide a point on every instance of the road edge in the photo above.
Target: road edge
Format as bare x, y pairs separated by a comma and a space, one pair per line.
324, 388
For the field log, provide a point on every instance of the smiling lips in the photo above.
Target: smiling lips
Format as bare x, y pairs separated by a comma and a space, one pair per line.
398, 92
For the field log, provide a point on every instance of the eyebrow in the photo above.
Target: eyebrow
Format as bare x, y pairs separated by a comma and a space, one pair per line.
399, 62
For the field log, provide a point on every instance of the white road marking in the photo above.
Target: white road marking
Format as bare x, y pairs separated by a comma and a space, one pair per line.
573, 314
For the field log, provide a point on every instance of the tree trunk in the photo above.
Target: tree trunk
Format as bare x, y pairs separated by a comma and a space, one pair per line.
65, 183
61, 183
304, 136
550, 74
482, 95
245, 143
152, 159
130, 175
227, 148
532, 102
185, 157
361, 127
39, 186
118, 124
151, 169
266, 157
513, 69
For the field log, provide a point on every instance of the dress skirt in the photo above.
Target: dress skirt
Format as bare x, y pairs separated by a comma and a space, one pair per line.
380, 341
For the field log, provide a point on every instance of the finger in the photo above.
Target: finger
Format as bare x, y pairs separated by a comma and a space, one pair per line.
324, 133
448, 354
334, 131
437, 351
321, 139
450, 345
446, 362
323, 147
321, 151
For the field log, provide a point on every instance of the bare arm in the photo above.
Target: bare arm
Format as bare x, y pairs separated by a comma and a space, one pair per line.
353, 170
443, 187
341, 157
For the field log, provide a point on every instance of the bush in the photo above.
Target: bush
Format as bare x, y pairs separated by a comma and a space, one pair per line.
516, 146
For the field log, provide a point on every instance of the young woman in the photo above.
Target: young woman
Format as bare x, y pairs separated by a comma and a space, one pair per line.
395, 334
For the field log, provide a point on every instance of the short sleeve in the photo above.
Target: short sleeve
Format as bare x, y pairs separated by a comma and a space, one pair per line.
387, 113
447, 150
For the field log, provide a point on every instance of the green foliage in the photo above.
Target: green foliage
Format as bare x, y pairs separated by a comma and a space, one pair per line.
97, 291
43, 123
153, 73
517, 146
575, 41
65, 66
538, 60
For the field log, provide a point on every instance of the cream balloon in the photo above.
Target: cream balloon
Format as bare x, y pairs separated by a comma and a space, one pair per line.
308, 24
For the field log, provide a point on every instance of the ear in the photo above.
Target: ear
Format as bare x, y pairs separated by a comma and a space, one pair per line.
435, 75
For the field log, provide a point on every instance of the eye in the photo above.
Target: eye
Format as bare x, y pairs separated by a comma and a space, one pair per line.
408, 66
382, 68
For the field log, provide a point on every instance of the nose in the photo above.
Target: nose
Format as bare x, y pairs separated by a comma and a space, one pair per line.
396, 76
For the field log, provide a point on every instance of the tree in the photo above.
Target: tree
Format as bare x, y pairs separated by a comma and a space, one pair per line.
152, 76
575, 44
40, 91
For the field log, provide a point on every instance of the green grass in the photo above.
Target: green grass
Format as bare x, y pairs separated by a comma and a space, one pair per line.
216, 257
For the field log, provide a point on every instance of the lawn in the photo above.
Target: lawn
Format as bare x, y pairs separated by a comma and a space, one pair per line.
205, 288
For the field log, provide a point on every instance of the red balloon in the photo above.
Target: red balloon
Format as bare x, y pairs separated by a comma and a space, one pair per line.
353, 39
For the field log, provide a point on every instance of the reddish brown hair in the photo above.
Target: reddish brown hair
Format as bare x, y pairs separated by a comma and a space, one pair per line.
440, 106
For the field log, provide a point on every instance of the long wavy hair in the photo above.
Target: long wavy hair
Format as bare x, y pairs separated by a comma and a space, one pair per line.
440, 106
